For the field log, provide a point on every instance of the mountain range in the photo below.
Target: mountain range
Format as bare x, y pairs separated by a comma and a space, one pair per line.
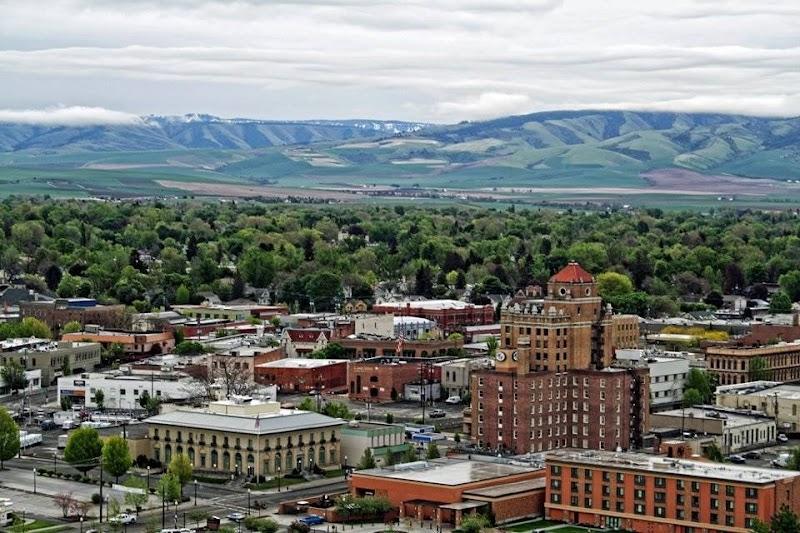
191, 132
597, 151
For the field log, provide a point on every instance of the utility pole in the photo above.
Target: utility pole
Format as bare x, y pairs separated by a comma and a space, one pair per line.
101, 489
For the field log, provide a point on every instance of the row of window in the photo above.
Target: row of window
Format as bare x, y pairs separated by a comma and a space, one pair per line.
225, 442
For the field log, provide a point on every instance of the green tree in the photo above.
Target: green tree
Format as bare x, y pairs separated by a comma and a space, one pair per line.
257, 267
116, 457
692, 397
9, 437
181, 467
433, 451
137, 500
611, 285
793, 462
410, 455
84, 449
474, 524
99, 399
73, 326
702, 381
790, 283
367, 460
169, 487
33, 327
758, 369
784, 521
492, 344
13, 375
713, 453
780, 303
182, 295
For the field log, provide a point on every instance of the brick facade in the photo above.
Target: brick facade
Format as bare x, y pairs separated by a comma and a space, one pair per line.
374, 380
361, 348
326, 378
732, 365
540, 411
451, 316
659, 495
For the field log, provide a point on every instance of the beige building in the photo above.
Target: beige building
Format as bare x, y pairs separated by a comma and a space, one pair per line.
52, 358
733, 430
731, 365
246, 436
778, 400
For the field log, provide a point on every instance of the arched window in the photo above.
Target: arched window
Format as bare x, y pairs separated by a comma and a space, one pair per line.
167, 453
239, 461
289, 461
251, 460
311, 457
277, 462
179, 450
214, 459
191, 455
321, 460
226, 461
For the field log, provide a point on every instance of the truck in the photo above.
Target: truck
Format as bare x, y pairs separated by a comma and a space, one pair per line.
6, 512
27, 440
62, 441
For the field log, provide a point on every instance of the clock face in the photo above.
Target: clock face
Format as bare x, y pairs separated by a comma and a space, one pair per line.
500, 356
514, 356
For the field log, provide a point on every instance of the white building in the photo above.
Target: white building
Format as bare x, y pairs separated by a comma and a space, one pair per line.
667, 375
123, 388
379, 325
412, 327
773, 398
34, 378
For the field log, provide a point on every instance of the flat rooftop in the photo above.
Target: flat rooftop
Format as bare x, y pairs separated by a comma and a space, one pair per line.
285, 421
445, 471
771, 389
432, 305
731, 418
299, 362
638, 462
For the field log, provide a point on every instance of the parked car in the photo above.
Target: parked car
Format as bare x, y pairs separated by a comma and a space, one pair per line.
312, 520
48, 425
313, 392
236, 517
438, 413
737, 459
453, 400
752, 455
782, 438
124, 518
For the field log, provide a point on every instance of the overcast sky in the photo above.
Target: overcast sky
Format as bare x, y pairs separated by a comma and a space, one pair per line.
427, 60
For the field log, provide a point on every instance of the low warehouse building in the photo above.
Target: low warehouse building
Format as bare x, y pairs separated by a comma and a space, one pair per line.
448, 489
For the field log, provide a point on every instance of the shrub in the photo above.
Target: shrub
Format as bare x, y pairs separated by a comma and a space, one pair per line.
96, 498
298, 527
76, 477
263, 525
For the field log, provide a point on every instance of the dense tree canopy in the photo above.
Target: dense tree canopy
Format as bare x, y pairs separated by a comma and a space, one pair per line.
148, 253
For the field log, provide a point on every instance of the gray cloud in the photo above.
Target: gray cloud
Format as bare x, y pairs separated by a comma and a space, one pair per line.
444, 60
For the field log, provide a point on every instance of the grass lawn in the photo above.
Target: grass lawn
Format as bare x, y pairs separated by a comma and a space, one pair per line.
36, 524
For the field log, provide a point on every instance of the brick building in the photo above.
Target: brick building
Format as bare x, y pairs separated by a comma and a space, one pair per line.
657, 494
571, 330
448, 489
304, 375
383, 380
540, 411
450, 315
551, 386
132, 343
731, 365
302, 342
85, 311
366, 346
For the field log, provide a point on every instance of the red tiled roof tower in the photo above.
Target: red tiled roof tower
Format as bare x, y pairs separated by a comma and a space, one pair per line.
572, 273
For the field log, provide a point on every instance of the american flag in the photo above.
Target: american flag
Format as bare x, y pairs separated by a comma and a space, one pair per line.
400, 341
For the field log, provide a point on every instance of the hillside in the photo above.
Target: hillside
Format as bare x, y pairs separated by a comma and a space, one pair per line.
191, 132
593, 156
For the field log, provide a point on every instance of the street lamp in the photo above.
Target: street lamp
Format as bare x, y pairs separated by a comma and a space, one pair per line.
176, 514
34, 480
81, 523
148, 478
248, 502
195, 492
345, 467
279, 478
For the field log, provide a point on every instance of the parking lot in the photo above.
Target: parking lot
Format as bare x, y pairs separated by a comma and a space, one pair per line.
401, 411
770, 453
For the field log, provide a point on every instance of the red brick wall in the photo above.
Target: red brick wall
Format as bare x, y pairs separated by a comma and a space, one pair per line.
558, 402
374, 381
328, 378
